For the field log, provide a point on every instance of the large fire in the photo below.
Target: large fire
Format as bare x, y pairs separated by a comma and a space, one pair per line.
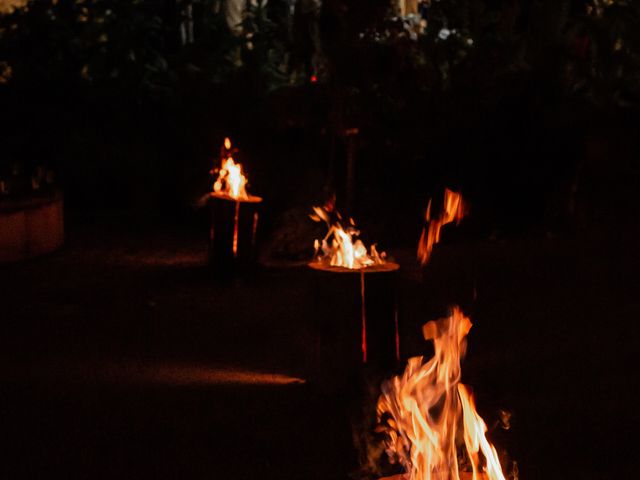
429, 417
230, 182
452, 211
340, 247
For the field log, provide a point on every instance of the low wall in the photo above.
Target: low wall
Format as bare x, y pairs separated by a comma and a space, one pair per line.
31, 227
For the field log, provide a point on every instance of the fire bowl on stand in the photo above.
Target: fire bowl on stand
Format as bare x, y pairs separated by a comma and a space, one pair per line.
232, 236
356, 341
359, 322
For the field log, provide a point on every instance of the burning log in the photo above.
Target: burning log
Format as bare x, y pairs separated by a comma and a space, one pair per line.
368, 281
234, 216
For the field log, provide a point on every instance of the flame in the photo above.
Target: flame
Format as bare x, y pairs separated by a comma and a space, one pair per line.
453, 211
339, 248
426, 413
230, 181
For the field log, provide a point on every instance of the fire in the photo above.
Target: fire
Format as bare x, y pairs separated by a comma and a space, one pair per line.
339, 247
453, 211
231, 181
428, 413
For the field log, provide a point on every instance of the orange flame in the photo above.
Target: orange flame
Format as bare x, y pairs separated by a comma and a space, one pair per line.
231, 181
453, 210
339, 249
427, 410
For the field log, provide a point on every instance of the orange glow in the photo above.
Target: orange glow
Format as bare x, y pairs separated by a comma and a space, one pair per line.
453, 211
198, 375
236, 218
231, 181
363, 316
134, 371
339, 248
9, 6
427, 413
254, 228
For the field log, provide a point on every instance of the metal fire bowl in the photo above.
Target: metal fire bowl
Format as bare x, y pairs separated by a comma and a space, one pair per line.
250, 199
384, 267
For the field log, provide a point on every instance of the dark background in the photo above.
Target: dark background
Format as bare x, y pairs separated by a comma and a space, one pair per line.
538, 113
536, 123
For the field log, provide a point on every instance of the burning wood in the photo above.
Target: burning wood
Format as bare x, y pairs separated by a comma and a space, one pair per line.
339, 247
427, 413
231, 182
452, 211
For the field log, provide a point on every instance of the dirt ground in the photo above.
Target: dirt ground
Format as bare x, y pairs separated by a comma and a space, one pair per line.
121, 357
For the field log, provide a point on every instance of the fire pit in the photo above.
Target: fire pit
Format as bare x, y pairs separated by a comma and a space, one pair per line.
234, 216
375, 333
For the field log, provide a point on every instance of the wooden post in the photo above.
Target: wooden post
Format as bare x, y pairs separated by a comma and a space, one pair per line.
381, 347
358, 326
31, 227
351, 136
232, 238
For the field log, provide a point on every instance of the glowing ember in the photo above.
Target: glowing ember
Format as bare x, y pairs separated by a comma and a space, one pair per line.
231, 181
427, 414
453, 211
339, 248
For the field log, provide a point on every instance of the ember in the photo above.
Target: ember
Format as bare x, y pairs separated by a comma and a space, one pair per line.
426, 413
452, 211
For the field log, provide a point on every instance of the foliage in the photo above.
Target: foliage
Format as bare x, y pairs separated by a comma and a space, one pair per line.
573, 47
609, 70
588, 48
69, 41
406, 83
131, 45
264, 50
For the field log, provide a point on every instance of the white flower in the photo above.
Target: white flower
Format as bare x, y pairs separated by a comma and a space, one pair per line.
444, 34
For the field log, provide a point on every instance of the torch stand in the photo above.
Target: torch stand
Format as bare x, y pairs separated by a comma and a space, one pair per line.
356, 344
357, 329
232, 236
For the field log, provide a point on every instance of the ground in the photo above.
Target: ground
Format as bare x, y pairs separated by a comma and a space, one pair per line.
123, 358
